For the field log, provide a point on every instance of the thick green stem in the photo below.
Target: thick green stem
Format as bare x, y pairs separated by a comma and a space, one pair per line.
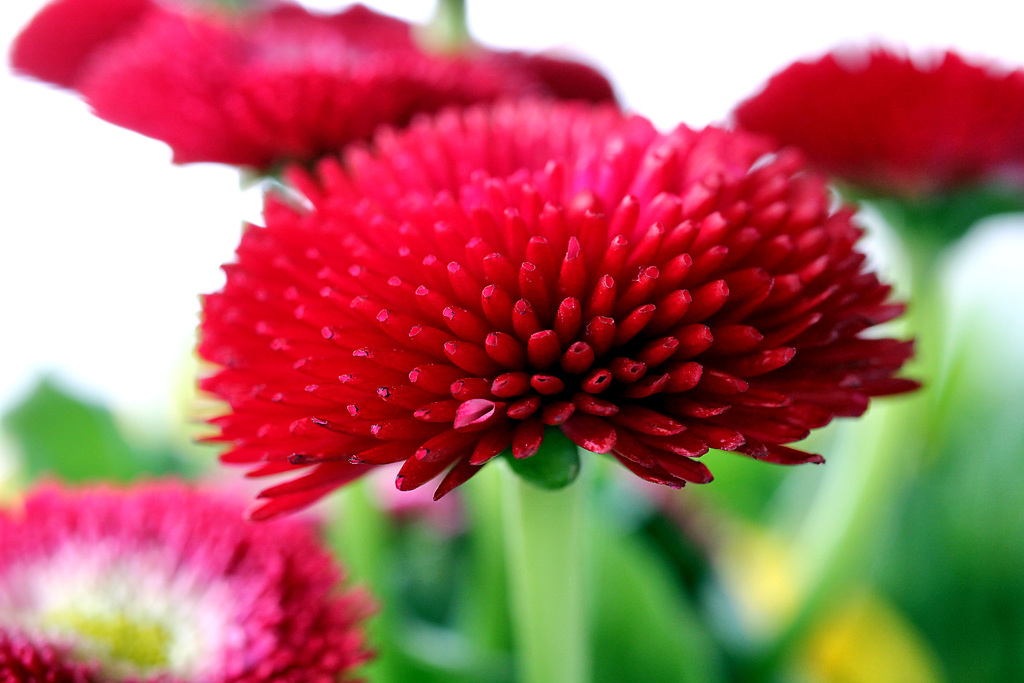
547, 568
448, 31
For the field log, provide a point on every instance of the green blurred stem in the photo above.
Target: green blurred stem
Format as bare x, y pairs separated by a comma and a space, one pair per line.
360, 534
899, 435
448, 30
485, 612
881, 451
923, 244
545, 550
833, 547
927, 318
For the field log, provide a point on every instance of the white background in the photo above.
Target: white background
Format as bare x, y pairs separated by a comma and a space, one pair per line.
105, 246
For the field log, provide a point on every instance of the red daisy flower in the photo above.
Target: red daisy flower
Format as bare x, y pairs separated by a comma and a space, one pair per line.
466, 285
257, 88
162, 583
25, 661
896, 125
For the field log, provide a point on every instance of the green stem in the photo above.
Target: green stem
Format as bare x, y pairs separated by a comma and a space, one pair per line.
448, 30
485, 615
546, 554
833, 547
879, 454
929, 307
360, 534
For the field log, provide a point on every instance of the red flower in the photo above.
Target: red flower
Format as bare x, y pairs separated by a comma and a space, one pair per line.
60, 41
161, 584
25, 661
262, 87
897, 125
464, 285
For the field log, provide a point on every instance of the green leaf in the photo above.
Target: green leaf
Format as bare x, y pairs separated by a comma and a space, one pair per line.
396, 564
60, 435
643, 628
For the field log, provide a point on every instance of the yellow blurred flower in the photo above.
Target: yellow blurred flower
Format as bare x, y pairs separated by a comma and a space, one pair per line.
865, 640
757, 569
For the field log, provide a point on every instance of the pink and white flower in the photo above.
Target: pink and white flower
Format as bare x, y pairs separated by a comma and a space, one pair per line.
164, 583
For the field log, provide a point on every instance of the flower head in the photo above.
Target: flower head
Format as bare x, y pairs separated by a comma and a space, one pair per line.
162, 583
485, 277
265, 86
896, 125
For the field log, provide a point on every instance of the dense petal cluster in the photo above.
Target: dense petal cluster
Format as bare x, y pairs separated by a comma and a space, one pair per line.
282, 83
24, 661
458, 288
163, 583
897, 125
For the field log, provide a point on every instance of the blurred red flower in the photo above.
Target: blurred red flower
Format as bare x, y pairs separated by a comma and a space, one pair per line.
459, 287
264, 86
897, 125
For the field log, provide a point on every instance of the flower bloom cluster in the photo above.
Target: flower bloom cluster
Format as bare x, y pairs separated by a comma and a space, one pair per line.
460, 287
163, 583
896, 125
275, 83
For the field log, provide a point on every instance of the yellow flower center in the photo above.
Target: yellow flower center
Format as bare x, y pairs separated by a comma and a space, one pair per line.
117, 638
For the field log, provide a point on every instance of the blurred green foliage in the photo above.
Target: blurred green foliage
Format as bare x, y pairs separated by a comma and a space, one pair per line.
60, 435
955, 561
445, 615
943, 219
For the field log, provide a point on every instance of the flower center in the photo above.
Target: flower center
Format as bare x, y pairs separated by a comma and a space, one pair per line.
131, 610
118, 638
